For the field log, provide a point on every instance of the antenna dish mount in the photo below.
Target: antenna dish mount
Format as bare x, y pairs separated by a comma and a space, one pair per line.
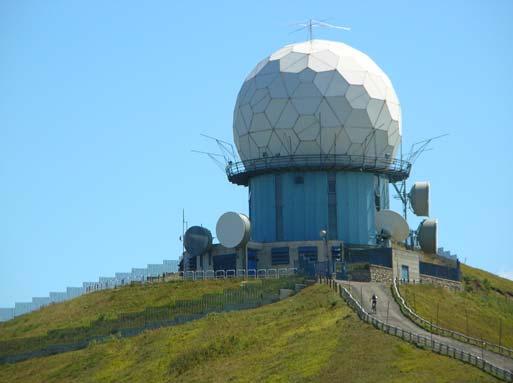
390, 225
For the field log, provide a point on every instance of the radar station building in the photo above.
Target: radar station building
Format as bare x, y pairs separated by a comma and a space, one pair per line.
317, 127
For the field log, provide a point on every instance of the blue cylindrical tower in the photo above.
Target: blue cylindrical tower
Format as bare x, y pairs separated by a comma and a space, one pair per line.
295, 206
317, 125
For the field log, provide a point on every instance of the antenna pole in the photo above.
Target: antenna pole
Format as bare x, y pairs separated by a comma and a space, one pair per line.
405, 205
311, 23
403, 198
183, 235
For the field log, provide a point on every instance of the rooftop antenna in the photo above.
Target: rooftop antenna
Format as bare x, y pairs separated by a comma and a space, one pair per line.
215, 158
416, 151
420, 147
226, 148
312, 23
183, 231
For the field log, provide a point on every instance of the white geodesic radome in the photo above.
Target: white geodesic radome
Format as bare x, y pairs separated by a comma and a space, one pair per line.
317, 97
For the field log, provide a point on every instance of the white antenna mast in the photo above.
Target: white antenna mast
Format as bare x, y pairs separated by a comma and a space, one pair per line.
226, 148
420, 147
312, 23
416, 151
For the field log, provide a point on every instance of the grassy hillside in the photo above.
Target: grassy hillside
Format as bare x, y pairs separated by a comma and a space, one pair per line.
108, 303
310, 337
487, 302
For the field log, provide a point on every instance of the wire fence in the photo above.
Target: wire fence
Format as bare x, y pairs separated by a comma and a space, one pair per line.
420, 340
250, 294
431, 327
201, 275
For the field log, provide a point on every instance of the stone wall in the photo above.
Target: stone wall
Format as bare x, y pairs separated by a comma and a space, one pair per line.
385, 275
455, 285
381, 274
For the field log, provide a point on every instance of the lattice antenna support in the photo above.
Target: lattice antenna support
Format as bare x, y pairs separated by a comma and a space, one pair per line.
415, 152
215, 158
226, 148
420, 147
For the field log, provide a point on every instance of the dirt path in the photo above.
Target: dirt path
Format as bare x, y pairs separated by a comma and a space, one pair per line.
362, 291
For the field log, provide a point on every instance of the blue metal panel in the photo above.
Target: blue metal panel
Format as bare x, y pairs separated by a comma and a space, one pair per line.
305, 205
262, 208
355, 207
252, 259
382, 189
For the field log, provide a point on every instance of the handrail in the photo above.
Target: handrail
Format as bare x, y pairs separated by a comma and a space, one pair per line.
429, 326
421, 340
240, 172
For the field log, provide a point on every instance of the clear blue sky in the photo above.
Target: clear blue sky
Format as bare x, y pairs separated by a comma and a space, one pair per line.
101, 103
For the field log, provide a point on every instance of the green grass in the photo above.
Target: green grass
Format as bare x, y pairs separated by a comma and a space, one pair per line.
487, 302
310, 337
106, 304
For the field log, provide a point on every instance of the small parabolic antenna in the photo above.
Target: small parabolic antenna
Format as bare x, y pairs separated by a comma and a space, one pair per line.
391, 225
419, 198
197, 240
427, 235
233, 229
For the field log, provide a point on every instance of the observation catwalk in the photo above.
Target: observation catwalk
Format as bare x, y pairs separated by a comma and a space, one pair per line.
362, 291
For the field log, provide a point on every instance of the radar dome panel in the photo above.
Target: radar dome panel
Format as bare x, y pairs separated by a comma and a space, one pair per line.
317, 97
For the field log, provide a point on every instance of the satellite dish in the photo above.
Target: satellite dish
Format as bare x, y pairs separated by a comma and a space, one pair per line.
197, 240
391, 225
427, 235
419, 198
233, 229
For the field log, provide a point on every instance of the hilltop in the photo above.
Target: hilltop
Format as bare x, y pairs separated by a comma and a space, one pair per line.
309, 337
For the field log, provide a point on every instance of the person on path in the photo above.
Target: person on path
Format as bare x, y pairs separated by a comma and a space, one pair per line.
374, 301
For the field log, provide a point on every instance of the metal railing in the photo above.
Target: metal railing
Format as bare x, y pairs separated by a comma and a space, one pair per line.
420, 340
201, 275
431, 327
395, 169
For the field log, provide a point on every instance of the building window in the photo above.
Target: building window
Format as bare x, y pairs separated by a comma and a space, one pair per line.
225, 262
280, 256
308, 253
